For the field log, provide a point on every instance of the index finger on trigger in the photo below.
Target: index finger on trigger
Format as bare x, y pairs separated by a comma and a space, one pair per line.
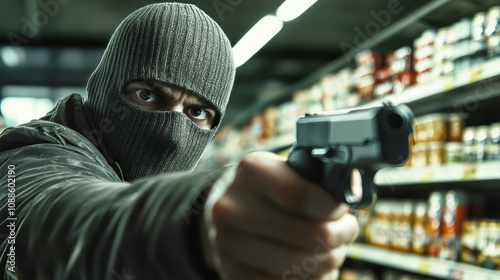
275, 180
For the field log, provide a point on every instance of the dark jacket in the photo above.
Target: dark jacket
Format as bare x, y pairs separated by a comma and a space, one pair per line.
75, 218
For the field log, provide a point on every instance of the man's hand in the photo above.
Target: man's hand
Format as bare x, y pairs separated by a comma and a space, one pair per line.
272, 224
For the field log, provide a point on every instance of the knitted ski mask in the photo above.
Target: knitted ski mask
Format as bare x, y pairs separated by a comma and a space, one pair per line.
173, 43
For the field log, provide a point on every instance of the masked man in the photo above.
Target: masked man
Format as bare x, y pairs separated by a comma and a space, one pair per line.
103, 188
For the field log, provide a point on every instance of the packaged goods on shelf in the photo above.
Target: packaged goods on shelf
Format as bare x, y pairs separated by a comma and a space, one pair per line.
438, 227
454, 152
286, 116
454, 214
368, 64
468, 242
358, 274
390, 274
419, 235
391, 225
493, 145
309, 100
438, 139
328, 92
492, 31
489, 244
446, 214
434, 223
480, 243
384, 85
424, 51
435, 54
431, 128
482, 143
443, 138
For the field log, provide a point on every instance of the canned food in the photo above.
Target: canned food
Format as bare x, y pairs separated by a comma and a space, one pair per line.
493, 147
437, 130
454, 152
420, 155
456, 124
436, 154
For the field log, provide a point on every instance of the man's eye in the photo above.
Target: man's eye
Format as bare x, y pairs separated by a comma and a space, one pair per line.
198, 113
145, 95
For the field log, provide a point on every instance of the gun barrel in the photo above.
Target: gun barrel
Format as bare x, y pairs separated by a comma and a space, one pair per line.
355, 127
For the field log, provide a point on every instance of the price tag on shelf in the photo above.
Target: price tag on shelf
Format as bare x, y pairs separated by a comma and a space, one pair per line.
457, 274
449, 83
424, 267
356, 252
469, 172
427, 176
475, 74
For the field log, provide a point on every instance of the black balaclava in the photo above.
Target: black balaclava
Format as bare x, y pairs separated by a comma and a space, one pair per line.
173, 43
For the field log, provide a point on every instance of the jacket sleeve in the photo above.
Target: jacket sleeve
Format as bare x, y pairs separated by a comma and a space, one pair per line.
75, 220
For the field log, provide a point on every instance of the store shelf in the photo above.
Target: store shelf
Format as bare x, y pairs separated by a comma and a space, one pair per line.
465, 87
404, 25
456, 92
439, 268
448, 173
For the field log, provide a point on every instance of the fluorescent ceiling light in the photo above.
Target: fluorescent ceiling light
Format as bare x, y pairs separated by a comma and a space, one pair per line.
291, 9
256, 38
12, 56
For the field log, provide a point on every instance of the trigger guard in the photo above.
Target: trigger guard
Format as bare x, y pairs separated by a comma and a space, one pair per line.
338, 183
367, 198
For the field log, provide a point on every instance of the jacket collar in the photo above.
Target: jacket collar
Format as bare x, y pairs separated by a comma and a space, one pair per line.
70, 112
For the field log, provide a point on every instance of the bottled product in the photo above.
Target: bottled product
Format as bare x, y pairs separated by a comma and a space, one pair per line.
478, 26
456, 124
469, 144
492, 31
436, 154
489, 255
418, 230
493, 146
419, 157
437, 128
468, 242
454, 214
481, 140
424, 56
401, 227
454, 152
358, 274
434, 225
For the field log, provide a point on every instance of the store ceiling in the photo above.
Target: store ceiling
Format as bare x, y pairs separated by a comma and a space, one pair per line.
302, 47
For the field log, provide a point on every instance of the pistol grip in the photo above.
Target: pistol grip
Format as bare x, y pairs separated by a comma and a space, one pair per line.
332, 177
306, 165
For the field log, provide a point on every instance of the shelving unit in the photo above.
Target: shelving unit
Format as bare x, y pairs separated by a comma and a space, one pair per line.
468, 86
435, 267
448, 173
403, 25
464, 91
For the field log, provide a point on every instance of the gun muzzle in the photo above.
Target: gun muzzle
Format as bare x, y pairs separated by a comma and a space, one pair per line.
396, 120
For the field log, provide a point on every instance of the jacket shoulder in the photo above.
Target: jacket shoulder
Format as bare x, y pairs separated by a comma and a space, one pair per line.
46, 132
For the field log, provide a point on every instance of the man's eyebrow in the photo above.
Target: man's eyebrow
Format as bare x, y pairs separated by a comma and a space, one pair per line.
166, 93
192, 99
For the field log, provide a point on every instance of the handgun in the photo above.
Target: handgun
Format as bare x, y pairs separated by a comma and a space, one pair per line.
330, 146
